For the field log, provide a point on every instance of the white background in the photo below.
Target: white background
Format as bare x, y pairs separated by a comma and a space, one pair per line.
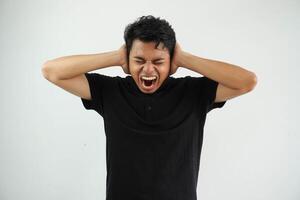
52, 148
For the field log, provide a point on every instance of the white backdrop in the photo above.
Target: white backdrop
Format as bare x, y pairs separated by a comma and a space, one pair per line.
52, 148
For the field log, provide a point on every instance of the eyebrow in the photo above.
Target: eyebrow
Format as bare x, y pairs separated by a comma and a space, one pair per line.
141, 58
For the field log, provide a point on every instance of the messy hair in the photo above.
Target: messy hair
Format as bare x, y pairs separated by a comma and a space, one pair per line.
150, 29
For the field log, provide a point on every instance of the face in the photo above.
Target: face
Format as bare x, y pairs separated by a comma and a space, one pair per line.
148, 66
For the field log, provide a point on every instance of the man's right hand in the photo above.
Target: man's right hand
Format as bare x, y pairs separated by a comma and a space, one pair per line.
123, 59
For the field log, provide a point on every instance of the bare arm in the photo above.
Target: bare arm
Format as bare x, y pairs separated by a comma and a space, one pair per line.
70, 66
233, 80
68, 72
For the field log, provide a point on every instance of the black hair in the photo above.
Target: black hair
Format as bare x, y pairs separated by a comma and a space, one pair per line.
150, 29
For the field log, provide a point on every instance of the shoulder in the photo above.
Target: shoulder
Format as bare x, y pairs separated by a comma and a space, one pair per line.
190, 80
201, 81
102, 77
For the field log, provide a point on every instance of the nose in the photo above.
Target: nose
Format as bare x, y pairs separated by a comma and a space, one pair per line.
148, 67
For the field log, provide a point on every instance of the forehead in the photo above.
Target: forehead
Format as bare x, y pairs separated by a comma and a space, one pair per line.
147, 49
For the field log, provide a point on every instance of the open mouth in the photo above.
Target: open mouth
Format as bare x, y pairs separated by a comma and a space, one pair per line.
149, 82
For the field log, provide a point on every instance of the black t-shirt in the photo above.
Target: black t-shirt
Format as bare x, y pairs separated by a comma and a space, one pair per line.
153, 141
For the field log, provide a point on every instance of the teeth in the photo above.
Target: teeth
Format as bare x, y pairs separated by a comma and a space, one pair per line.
148, 78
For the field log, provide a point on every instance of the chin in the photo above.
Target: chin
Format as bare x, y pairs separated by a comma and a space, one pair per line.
148, 91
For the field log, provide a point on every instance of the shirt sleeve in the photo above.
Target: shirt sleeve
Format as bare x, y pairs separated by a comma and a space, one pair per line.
206, 93
96, 85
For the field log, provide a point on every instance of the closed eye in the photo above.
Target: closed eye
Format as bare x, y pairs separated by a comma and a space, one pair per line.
158, 63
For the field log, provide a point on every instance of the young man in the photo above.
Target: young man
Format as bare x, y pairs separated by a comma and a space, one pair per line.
153, 122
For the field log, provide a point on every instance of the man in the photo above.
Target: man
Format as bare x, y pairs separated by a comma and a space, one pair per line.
153, 122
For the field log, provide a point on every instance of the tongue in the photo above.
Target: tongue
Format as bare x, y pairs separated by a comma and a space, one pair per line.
148, 83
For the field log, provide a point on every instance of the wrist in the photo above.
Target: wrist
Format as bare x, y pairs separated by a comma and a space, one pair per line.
116, 58
184, 58
109, 58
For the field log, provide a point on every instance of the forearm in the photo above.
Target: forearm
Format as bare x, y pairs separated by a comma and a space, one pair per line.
227, 74
69, 66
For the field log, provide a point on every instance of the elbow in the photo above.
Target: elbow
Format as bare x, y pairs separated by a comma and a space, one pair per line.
47, 71
251, 82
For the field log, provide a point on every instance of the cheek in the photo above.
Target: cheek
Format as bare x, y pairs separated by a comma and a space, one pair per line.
134, 69
164, 69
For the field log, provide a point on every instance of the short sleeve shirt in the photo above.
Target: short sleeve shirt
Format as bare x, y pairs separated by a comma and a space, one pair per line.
153, 141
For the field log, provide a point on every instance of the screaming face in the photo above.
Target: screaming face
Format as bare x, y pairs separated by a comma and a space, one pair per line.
149, 66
